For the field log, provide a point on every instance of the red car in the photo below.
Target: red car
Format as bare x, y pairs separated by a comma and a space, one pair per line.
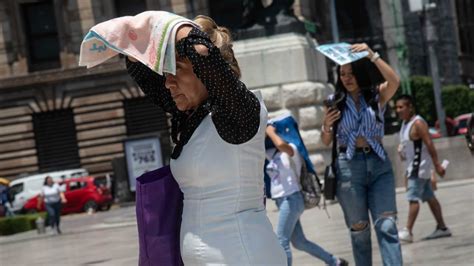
462, 123
82, 194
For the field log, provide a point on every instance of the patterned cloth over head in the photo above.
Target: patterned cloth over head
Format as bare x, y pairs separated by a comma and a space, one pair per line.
148, 37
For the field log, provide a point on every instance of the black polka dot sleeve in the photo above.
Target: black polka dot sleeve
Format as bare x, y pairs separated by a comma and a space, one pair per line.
235, 110
152, 84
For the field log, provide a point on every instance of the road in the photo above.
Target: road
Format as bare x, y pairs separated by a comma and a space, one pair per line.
110, 238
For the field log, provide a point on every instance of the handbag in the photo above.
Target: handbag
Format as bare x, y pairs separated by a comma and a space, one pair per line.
330, 182
159, 206
310, 187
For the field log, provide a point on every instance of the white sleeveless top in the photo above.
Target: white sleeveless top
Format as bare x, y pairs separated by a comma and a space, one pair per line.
52, 193
418, 160
224, 218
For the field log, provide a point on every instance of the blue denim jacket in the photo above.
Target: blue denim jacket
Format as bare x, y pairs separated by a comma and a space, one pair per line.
287, 129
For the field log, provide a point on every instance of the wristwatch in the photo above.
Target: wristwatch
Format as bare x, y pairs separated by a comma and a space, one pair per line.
375, 57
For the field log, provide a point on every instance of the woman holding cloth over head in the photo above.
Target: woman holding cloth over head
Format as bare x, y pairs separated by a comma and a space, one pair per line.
365, 180
218, 127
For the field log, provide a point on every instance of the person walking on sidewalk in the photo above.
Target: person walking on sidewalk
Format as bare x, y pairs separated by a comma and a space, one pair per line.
53, 198
364, 175
284, 169
420, 157
218, 127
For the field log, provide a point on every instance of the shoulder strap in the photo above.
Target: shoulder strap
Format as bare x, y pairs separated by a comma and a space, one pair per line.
274, 153
334, 146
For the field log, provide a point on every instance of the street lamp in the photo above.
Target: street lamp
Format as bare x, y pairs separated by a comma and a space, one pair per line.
425, 6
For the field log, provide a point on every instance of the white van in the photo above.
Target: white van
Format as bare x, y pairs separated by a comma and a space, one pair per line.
22, 189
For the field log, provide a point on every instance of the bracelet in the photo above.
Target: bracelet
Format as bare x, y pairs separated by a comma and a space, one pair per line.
325, 130
374, 57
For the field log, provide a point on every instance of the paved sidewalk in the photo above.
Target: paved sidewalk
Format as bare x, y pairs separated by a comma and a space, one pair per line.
110, 238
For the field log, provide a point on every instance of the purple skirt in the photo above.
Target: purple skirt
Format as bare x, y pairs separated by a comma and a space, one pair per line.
159, 206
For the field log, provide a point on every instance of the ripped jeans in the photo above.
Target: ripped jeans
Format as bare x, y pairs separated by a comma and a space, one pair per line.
366, 183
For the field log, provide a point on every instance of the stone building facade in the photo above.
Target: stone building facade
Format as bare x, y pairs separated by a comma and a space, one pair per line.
55, 115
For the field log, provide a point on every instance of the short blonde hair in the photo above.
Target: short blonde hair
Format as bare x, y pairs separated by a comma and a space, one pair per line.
222, 38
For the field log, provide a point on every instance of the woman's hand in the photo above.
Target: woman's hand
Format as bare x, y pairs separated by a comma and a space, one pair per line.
392, 81
331, 115
361, 47
279, 143
183, 32
39, 202
63, 198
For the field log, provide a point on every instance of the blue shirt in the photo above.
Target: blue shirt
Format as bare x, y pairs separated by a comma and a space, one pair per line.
361, 124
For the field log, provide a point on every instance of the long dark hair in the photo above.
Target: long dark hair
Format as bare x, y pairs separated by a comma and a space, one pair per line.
368, 78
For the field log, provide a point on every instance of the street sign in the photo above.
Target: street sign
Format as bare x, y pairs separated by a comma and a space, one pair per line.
142, 155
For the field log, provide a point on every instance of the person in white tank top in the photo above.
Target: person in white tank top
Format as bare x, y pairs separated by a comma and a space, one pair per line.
417, 151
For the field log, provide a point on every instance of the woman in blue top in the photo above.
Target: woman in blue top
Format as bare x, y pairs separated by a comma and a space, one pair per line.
365, 180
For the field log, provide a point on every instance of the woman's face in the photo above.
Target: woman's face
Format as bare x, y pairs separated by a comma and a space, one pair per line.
187, 91
49, 181
348, 79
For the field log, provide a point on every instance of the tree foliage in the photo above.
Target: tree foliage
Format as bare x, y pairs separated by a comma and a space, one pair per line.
457, 99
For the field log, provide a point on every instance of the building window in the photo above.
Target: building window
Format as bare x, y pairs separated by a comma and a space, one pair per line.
129, 8
56, 141
227, 13
143, 117
41, 35
466, 26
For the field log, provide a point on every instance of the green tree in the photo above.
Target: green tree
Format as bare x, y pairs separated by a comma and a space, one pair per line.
422, 89
457, 100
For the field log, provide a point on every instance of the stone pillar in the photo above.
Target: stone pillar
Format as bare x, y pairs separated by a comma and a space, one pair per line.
394, 34
291, 76
86, 18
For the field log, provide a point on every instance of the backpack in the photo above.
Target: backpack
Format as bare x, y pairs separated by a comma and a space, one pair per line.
310, 187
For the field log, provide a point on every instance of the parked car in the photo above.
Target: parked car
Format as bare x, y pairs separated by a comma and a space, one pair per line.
461, 123
82, 194
450, 126
22, 189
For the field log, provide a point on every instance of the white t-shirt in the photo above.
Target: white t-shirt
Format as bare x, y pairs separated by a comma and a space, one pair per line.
284, 172
51, 194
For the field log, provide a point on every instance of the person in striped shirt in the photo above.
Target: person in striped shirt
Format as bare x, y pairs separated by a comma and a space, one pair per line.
365, 180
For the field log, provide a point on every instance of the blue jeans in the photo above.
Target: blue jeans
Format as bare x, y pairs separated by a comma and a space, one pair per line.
289, 228
419, 189
366, 183
54, 213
